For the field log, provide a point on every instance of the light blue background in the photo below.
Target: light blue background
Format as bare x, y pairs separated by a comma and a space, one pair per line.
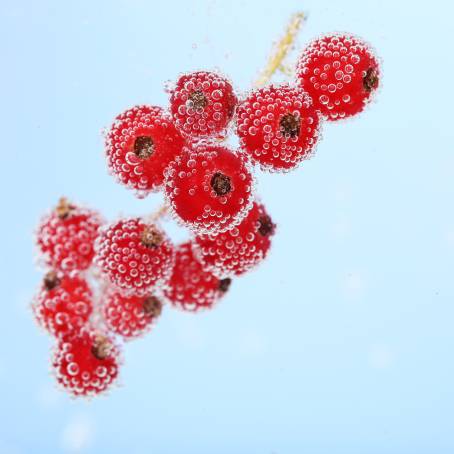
342, 342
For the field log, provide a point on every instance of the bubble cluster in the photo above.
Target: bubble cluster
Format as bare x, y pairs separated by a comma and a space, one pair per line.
191, 287
340, 72
65, 237
135, 256
278, 127
202, 104
63, 304
209, 188
139, 145
86, 364
130, 316
239, 249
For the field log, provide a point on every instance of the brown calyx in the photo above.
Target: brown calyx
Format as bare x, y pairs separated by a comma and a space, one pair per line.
102, 347
267, 227
143, 147
198, 99
51, 280
370, 80
290, 125
64, 208
152, 306
221, 184
224, 284
151, 237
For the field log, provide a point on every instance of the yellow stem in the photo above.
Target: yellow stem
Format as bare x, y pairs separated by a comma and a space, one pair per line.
281, 50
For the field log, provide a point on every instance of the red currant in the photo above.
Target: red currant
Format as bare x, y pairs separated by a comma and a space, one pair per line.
209, 188
190, 286
341, 73
278, 126
86, 364
139, 146
64, 304
66, 237
202, 104
239, 249
135, 256
130, 316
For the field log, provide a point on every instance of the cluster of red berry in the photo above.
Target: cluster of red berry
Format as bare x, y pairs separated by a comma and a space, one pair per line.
111, 280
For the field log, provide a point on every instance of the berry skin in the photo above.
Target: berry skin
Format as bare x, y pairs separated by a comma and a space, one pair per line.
86, 364
135, 256
130, 316
66, 237
202, 104
190, 287
236, 251
63, 305
209, 188
278, 127
341, 73
139, 146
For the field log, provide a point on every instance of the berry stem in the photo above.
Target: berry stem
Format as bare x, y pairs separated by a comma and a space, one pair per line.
281, 50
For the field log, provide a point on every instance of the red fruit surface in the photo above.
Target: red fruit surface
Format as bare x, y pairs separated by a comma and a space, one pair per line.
341, 73
278, 127
209, 188
86, 364
239, 249
63, 304
202, 104
135, 256
139, 146
130, 316
190, 287
66, 237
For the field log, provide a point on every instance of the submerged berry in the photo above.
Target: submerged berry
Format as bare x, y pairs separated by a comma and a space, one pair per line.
66, 237
86, 364
63, 304
139, 146
278, 126
202, 104
130, 316
341, 73
239, 249
135, 256
209, 188
191, 287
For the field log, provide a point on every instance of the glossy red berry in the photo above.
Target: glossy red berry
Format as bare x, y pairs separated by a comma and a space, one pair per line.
130, 316
341, 73
202, 104
63, 304
66, 237
139, 146
278, 126
135, 256
190, 287
209, 188
239, 249
86, 364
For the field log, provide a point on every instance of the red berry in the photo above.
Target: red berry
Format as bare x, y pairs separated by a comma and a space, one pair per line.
66, 237
209, 188
139, 146
64, 304
340, 72
239, 249
278, 126
202, 104
130, 316
135, 256
86, 364
191, 287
